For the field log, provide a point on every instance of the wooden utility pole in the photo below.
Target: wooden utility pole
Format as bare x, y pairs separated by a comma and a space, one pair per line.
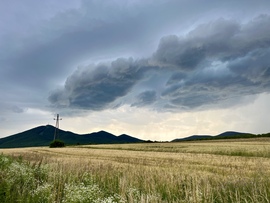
56, 131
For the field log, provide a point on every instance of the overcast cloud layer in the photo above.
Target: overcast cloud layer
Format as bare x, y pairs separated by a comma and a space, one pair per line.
214, 62
84, 57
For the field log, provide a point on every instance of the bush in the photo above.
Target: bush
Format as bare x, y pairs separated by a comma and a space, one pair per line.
57, 143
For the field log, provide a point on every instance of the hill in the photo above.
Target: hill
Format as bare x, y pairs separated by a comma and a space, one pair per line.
43, 136
233, 134
193, 137
225, 135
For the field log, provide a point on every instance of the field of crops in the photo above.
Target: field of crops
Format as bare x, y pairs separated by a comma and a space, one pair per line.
202, 171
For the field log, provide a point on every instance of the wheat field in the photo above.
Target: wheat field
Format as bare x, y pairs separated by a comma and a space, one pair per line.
202, 171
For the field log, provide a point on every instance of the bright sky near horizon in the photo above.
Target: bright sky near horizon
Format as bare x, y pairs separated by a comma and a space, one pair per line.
156, 69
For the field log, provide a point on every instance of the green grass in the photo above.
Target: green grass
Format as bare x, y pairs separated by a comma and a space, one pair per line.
21, 181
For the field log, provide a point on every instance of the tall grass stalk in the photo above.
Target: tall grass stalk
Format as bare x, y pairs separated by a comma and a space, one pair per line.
179, 172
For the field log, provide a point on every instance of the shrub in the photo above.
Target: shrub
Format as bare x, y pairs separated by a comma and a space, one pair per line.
57, 143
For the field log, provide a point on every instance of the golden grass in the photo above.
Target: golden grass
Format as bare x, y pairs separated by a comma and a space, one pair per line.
204, 171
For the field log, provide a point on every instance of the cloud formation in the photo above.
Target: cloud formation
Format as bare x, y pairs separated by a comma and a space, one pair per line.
97, 88
214, 62
145, 98
187, 56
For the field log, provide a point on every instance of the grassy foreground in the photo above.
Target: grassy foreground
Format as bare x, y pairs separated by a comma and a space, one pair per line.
203, 171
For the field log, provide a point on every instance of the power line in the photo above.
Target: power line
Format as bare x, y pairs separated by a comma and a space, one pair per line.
56, 131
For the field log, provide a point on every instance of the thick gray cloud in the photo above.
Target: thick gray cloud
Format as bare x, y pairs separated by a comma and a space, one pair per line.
233, 61
97, 88
220, 40
145, 98
188, 54
174, 52
213, 63
244, 66
43, 43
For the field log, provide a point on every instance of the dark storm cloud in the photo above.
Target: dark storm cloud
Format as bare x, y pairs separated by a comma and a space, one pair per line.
40, 52
220, 40
209, 89
244, 66
145, 98
213, 63
97, 88
52, 37
41, 43
176, 77
174, 52
233, 61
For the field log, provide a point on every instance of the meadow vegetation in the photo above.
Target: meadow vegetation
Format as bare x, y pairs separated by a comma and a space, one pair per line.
202, 171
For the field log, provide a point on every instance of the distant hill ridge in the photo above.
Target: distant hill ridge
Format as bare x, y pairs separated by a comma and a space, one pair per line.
225, 135
43, 136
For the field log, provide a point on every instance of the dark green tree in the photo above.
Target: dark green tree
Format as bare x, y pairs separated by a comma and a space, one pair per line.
57, 143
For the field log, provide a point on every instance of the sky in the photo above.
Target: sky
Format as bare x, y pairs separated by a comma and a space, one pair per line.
155, 69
